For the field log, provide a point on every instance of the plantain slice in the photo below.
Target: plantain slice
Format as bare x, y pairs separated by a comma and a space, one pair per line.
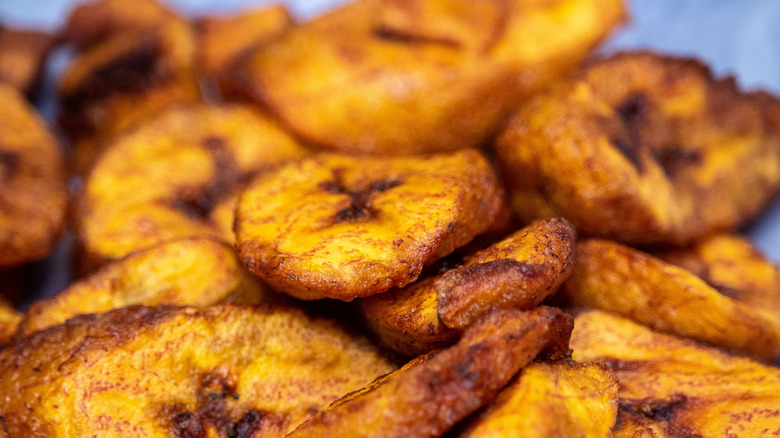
675, 387
193, 272
173, 371
642, 148
427, 397
174, 177
390, 77
345, 227
516, 273
22, 55
33, 191
613, 277
9, 321
561, 399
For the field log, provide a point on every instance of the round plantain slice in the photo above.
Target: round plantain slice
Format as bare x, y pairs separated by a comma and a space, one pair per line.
642, 148
173, 371
389, 77
174, 177
9, 321
675, 387
432, 393
344, 227
194, 272
33, 188
613, 277
518, 272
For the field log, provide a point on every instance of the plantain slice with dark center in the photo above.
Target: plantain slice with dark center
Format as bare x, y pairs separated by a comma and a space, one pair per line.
344, 227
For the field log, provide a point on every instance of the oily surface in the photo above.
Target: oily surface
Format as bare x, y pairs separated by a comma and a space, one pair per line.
180, 372
345, 227
22, 54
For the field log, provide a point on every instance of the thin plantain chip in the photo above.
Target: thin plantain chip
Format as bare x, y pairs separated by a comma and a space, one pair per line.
344, 227
22, 56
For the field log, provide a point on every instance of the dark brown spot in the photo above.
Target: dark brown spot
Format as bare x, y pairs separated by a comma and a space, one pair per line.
634, 113
360, 204
675, 158
9, 165
658, 410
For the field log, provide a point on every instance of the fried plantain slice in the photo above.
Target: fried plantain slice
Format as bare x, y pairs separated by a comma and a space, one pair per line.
9, 321
613, 277
33, 191
561, 399
22, 55
194, 272
345, 227
675, 387
389, 77
427, 398
515, 273
174, 177
642, 148
172, 371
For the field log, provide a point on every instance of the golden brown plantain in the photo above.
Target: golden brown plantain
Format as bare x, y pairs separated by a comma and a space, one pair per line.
561, 399
182, 372
428, 397
176, 176
389, 77
675, 387
345, 227
642, 148
9, 321
194, 272
33, 189
516, 273
613, 277
22, 56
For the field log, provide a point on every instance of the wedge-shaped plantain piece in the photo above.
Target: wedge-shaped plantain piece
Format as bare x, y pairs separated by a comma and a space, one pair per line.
389, 77
345, 227
515, 273
427, 398
562, 399
33, 191
193, 272
675, 387
613, 277
642, 148
174, 177
22, 55
173, 371
9, 321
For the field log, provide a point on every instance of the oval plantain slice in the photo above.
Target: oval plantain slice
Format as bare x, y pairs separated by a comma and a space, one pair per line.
22, 56
9, 321
430, 395
389, 77
173, 371
613, 277
515, 273
345, 227
194, 272
174, 177
675, 387
643, 148
33, 189
559, 399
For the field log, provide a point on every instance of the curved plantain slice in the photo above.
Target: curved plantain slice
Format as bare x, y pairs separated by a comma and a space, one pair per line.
613, 277
429, 396
389, 77
22, 55
561, 399
172, 371
516, 273
9, 321
675, 387
174, 177
193, 272
345, 227
33, 188
642, 148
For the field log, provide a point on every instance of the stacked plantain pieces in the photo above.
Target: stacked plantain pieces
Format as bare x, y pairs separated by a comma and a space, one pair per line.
405, 218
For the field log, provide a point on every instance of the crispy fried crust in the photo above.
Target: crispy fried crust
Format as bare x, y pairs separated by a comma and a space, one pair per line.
516, 273
562, 399
427, 398
345, 227
674, 387
616, 278
194, 272
388, 77
33, 191
180, 372
177, 176
22, 54
9, 320
642, 148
